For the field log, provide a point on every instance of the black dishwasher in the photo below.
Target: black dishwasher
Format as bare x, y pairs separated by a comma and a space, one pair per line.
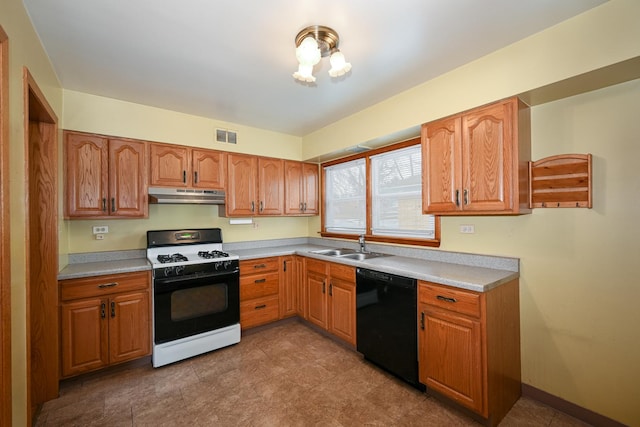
386, 322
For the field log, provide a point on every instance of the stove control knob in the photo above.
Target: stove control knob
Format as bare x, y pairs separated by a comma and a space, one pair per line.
227, 264
179, 270
217, 265
168, 271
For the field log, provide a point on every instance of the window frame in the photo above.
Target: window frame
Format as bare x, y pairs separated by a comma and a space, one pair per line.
435, 242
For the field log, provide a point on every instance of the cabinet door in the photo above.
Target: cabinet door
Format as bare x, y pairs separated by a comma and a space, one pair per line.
441, 166
294, 191
271, 186
488, 172
317, 299
169, 165
450, 356
288, 287
342, 309
310, 184
129, 327
242, 185
209, 169
301, 299
84, 330
87, 166
127, 178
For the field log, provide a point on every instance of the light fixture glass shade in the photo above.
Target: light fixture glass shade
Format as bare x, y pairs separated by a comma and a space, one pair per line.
308, 52
339, 66
305, 73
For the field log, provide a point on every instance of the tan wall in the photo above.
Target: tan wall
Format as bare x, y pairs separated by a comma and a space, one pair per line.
24, 51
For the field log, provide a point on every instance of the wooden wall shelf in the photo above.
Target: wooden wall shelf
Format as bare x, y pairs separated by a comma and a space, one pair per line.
562, 181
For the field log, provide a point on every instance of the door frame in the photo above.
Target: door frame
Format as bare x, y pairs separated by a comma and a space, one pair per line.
41, 176
5, 240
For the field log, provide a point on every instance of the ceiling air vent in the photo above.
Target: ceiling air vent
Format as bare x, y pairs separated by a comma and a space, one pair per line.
228, 136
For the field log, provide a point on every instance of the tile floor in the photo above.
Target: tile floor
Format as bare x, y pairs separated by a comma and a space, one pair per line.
287, 375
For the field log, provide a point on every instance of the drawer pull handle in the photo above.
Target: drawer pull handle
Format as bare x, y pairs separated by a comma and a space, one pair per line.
446, 299
261, 306
260, 280
108, 285
259, 266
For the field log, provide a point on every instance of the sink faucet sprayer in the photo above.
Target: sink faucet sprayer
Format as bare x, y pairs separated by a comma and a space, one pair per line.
362, 242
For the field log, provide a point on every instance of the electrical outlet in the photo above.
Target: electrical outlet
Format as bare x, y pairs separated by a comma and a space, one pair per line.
99, 236
101, 229
468, 229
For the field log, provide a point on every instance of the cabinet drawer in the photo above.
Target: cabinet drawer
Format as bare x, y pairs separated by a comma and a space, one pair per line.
344, 272
259, 265
258, 285
258, 311
96, 286
316, 266
457, 300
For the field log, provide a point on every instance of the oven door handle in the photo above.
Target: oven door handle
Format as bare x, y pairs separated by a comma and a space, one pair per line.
169, 280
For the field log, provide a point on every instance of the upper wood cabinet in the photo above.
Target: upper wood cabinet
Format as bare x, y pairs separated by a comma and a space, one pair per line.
180, 166
301, 188
255, 185
106, 178
476, 162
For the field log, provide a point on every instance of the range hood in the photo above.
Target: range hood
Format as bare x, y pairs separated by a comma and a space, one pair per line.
185, 196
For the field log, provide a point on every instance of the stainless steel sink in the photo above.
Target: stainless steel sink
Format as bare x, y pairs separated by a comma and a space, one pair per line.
335, 252
361, 256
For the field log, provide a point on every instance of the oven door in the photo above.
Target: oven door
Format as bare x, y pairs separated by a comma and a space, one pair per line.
189, 305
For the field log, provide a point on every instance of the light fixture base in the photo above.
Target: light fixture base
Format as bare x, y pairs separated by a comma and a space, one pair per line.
326, 37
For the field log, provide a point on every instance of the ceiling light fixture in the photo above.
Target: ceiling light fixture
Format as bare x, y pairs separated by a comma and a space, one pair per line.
315, 42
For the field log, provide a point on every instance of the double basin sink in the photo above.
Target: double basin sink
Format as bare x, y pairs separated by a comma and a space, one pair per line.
349, 254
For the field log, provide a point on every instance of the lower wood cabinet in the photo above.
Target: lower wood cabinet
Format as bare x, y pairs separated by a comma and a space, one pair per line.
331, 298
469, 346
104, 320
288, 287
259, 291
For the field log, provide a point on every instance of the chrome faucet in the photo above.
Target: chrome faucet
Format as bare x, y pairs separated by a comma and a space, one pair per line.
362, 243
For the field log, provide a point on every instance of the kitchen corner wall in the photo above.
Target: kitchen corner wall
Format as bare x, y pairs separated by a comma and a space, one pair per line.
90, 113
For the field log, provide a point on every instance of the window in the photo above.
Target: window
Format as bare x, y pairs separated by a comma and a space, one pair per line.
346, 197
396, 195
390, 208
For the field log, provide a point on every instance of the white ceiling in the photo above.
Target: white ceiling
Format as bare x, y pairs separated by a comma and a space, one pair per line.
232, 60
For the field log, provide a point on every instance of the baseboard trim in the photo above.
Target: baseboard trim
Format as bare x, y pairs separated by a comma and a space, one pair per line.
569, 408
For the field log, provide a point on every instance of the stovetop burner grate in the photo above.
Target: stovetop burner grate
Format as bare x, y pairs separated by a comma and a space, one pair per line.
212, 254
172, 258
